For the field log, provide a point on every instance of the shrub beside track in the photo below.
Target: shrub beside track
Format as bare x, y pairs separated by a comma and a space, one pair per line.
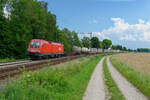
12, 70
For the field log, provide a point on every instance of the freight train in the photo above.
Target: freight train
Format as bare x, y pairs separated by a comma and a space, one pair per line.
83, 50
40, 49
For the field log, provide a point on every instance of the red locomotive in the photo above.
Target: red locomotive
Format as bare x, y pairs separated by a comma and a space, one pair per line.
44, 49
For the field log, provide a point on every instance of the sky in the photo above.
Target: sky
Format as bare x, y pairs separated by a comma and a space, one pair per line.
125, 22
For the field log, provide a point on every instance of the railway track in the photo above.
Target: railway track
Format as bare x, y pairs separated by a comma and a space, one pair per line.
14, 63
15, 68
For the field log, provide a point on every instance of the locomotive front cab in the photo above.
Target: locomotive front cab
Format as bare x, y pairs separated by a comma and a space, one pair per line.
34, 46
34, 49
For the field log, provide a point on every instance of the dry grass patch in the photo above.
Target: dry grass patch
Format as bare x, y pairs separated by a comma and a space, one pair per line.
138, 61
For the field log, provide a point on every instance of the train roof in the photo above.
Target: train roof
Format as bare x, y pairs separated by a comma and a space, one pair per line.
44, 41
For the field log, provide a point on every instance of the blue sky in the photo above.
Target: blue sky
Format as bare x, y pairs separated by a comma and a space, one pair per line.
125, 22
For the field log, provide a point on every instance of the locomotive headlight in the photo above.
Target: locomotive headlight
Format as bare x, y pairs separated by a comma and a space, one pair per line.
38, 50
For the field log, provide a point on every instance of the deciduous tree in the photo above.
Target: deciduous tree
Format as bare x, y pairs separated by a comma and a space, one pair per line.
86, 42
106, 43
95, 42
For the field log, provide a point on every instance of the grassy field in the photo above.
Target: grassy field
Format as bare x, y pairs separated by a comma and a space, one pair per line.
113, 90
140, 80
65, 83
138, 61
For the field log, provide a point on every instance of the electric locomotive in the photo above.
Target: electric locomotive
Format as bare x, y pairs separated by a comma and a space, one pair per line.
39, 49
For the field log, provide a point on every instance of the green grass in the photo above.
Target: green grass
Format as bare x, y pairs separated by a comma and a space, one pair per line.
111, 85
140, 80
68, 83
11, 60
7, 60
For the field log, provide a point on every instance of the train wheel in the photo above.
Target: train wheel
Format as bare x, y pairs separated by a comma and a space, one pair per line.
46, 57
59, 56
39, 57
56, 56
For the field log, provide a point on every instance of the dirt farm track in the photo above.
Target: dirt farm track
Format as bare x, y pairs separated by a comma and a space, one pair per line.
138, 61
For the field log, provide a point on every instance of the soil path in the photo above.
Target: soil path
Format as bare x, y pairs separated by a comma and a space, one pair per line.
95, 89
127, 89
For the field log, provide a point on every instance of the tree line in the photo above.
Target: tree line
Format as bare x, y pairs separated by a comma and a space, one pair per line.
94, 42
30, 19
143, 50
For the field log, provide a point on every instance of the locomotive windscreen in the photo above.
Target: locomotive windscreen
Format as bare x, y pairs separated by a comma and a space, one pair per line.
35, 44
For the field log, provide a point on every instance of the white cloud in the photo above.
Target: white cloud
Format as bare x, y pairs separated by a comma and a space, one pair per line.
94, 21
141, 21
128, 37
123, 31
119, 27
129, 32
